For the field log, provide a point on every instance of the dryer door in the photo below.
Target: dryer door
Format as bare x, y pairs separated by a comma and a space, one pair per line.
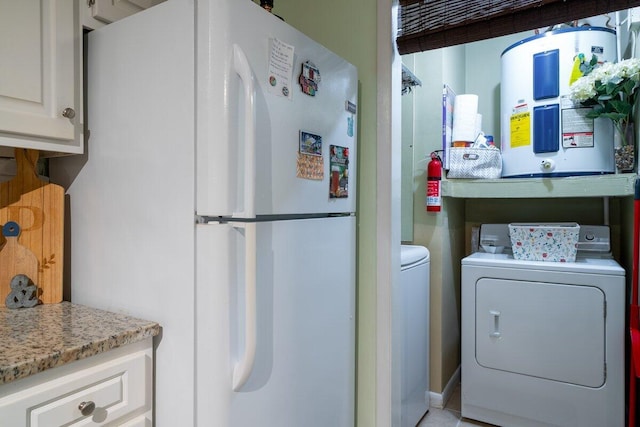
546, 330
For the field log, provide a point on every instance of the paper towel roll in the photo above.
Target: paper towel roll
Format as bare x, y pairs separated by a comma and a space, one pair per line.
478, 125
465, 118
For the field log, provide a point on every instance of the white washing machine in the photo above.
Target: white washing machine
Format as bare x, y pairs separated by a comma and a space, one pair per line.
543, 342
412, 329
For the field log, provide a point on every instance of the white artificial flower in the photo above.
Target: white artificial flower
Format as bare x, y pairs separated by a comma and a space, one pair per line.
629, 68
583, 88
604, 73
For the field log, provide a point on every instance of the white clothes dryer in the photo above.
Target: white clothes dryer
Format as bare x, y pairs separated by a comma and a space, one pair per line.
543, 342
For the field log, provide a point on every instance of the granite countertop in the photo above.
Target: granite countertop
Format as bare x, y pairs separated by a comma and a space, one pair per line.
49, 335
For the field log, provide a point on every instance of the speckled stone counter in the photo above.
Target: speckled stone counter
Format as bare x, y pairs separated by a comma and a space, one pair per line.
35, 339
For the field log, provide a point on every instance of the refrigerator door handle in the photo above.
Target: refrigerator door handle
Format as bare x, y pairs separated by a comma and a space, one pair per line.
242, 68
242, 369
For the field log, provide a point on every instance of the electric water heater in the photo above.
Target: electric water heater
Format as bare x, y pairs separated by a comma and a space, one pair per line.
544, 133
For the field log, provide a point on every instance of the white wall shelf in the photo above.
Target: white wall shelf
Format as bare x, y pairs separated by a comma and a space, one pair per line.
513, 188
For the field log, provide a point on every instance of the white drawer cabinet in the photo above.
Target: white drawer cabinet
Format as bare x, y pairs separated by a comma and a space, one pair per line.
112, 388
41, 76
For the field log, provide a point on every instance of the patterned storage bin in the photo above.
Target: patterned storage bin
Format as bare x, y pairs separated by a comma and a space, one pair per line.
556, 242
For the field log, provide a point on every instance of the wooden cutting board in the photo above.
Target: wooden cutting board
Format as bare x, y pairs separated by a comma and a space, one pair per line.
38, 207
15, 259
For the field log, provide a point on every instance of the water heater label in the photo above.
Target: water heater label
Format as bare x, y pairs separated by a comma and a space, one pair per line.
577, 129
520, 129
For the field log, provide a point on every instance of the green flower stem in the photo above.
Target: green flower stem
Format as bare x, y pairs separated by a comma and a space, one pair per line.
621, 127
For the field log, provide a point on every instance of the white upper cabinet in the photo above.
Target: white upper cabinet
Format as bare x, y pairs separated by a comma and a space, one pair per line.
40, 77
107, 11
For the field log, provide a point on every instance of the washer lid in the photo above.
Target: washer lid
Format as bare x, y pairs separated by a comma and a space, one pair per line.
411, 254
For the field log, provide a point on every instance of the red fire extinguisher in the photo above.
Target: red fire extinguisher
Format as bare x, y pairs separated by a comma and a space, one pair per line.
434, 176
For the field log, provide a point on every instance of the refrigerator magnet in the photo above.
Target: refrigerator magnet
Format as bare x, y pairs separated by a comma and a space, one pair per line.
310, 144
339, 166
309, 78
310, 163
350, 107
310, 167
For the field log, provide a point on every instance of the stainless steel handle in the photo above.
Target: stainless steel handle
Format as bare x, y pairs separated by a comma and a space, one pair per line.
87, 408
69, 113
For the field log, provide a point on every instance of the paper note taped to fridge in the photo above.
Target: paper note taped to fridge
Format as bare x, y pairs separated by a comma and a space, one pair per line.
310, 167
280, 68
339, 167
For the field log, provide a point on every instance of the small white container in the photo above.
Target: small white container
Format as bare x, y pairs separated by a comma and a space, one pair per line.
554, 242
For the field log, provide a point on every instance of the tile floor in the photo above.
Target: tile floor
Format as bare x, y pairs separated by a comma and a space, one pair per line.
449, 416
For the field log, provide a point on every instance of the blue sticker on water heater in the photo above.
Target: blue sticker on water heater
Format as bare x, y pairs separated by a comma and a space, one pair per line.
546, 128
350, 126
546, 74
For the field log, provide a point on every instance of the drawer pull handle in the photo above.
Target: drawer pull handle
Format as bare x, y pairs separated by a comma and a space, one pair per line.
68, 113
87, 408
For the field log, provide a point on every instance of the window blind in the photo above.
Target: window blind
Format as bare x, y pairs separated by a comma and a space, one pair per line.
432, 24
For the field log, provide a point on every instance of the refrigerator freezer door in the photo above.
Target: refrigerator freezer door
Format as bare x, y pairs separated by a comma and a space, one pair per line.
226, 31
304, 369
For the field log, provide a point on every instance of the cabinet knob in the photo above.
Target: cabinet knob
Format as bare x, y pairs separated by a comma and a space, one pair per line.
69, 113
87, 408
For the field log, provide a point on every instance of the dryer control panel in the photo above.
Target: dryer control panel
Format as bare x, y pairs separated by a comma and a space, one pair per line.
593, 239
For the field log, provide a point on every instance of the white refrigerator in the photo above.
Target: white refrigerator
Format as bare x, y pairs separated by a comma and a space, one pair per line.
217, 197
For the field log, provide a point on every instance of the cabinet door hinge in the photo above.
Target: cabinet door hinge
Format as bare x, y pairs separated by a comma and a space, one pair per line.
90, 3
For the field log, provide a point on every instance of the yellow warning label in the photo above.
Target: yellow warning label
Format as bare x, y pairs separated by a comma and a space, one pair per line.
520, 130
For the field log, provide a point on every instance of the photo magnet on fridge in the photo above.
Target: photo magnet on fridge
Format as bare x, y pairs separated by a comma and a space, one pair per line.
339, 167
310, 144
